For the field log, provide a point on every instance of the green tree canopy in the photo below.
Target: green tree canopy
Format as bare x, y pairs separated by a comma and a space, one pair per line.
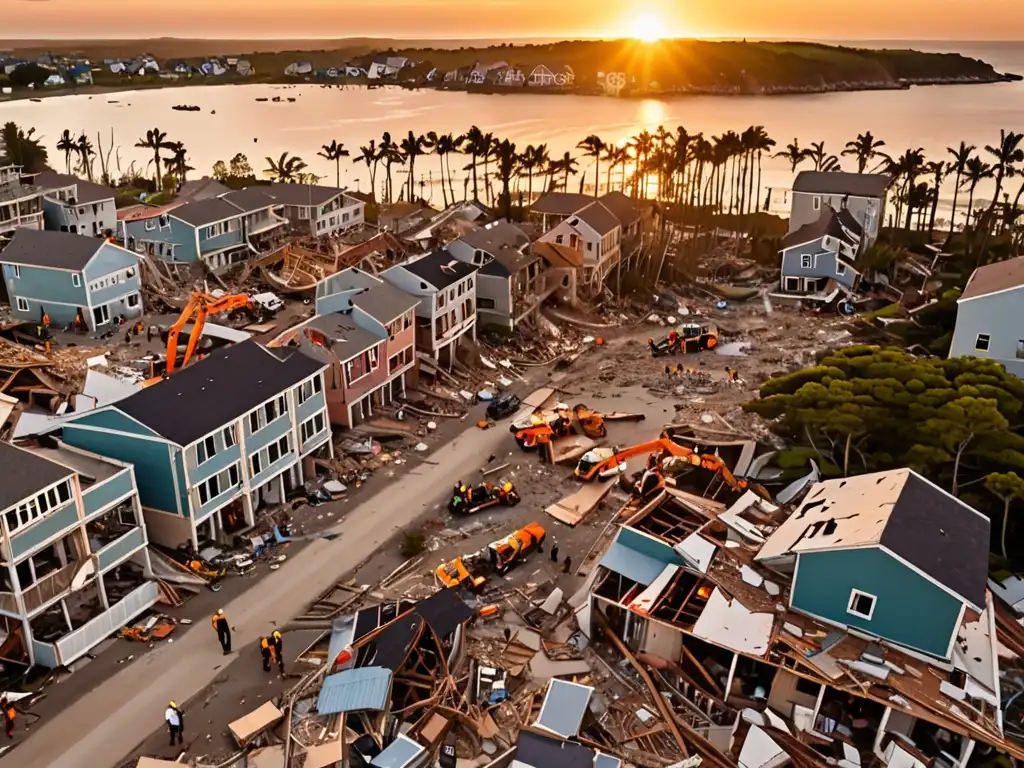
867, 408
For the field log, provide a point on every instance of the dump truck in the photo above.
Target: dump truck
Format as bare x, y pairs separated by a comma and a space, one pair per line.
688, 338
471, 571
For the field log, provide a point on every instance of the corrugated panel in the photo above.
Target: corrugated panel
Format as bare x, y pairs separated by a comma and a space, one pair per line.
365, 688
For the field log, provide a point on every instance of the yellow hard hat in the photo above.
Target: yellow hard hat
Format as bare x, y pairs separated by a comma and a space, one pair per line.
507, 486
277, 634
173, 705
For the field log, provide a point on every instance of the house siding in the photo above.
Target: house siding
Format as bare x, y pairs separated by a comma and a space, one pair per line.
93, 219
823, 264
909, 608
220, 461
998, 315
227, 240
498, 290
868, 211
261, 439
46, 286
175, 233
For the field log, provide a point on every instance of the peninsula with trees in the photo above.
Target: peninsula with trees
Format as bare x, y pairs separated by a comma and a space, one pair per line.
618, 67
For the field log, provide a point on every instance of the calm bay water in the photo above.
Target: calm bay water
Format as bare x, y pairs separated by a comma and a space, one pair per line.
929, 117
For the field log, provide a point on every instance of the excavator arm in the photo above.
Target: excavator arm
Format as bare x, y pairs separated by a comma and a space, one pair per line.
661, 444
201, 305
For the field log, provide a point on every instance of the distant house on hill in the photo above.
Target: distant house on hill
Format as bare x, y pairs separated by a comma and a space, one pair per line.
509, 77
244, 68
542, 77
298, 68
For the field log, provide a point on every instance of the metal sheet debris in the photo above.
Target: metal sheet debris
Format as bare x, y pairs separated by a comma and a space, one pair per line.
563, 709
731, 625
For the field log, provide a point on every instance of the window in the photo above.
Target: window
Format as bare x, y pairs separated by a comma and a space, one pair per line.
808, 687
373, 358
150, 225
485, 303
309, 388
806, 261
840, 269
254, 422
206, 450
590, 246
256, 464
22, 304
1020, 349
470, 284
861, 604
791, 284
33, 509
310, 427
816, 203
76, 280
209, 489
233, 475
441, 299
17, 270
133, 299
982, 342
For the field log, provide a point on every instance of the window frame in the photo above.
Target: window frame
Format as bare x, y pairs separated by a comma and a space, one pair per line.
76, 280
856, 594
806, 261
988, 342
22, 304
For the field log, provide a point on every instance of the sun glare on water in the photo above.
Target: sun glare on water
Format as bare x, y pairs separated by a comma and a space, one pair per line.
647, 27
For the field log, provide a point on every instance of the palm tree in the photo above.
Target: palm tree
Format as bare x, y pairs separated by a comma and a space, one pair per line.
818, 155
442, 146
534, 158
793, 154
506, 158
1007, 154
286, 169
368, 154
155, 140
611, 157
490, 146
642, 146
976, 170
477, 145
566, 165
68, 146
937, 170
390, 155
413, 146
958, 165
178, 162
865, 148
911, 164
334, 152
593, 146
85, 154
760, 142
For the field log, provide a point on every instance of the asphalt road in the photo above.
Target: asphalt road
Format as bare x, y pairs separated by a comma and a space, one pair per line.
106, 724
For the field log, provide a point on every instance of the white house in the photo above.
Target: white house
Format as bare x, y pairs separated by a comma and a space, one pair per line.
446, 313
596, 233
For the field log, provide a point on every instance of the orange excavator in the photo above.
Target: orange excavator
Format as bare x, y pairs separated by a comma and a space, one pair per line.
603, 463
542, 427
199, 307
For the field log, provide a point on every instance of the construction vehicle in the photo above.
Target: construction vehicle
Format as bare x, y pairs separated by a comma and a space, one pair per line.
604, 463
545, 426
200, 306
467, 500
471, 571
686, 338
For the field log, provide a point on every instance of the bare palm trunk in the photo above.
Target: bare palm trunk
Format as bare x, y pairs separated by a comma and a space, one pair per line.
956, 194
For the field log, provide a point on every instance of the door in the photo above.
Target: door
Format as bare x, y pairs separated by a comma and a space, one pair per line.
101, 314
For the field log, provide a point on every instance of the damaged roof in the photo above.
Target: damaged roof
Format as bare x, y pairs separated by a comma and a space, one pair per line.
52, 250
25, 474
86, 191
444, 610
217, 390
598, 218
561, 203
495, 235
900, 511
200, 213
384, 302
840, 225
622, 206
355, 690
439, 269
840, 183
992, 278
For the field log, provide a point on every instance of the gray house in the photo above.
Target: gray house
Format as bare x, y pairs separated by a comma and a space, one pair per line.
821, 251
68, 276
862, 194
988, 315
71, 204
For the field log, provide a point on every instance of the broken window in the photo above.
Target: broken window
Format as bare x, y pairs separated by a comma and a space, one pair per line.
229, 436
861, 604
982, 342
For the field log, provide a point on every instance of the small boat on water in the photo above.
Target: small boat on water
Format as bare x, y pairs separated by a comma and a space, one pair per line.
262, 98
186, 108
276, 99
291, 98
37, 100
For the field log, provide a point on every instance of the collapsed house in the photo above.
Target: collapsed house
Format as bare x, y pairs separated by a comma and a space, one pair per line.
857, 628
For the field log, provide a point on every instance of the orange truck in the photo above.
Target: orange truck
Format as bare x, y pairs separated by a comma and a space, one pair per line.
500, 556
541, 427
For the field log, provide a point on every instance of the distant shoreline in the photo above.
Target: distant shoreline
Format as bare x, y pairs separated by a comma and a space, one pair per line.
497, 90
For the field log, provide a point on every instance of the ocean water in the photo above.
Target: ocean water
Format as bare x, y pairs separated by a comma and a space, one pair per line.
232, 121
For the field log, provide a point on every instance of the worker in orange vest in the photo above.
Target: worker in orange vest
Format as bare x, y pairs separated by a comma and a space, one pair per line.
277, 641
46, 319
220, 624
9, 715
266, 651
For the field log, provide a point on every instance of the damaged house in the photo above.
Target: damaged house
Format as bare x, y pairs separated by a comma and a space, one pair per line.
862, 194
819, 257
987, 312
217, 441
856, 630
75, 564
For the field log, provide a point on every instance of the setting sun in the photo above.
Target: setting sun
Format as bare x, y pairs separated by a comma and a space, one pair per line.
647, 27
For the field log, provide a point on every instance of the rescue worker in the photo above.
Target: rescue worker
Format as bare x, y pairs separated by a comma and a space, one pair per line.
78, 323
277, 641
566, 564
554, 551
673, 341
9, 715
220, 624
46, 319
266, 650
175, 722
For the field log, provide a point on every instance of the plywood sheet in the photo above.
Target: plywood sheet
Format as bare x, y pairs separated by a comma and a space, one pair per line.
565, 449
244, 728
572, 510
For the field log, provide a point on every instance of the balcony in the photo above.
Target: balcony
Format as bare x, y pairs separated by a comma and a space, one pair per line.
98, 498
268, 434
312, 406
52, 526
48, 588
273, 470
31, 220
76, 644
256, 225
118, 549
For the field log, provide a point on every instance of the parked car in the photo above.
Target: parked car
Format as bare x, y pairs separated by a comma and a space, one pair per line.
504, 406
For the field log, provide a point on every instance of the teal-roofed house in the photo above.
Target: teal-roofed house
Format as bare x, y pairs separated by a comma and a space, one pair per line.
216, 441
68, 276
75, 566
888, 554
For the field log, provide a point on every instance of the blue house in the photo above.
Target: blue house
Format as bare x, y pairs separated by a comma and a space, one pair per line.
216, 441
888, 554
73, 548
220, 231
68, 276
821, 253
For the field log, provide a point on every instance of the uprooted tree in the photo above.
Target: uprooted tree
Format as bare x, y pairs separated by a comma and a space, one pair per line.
867, 408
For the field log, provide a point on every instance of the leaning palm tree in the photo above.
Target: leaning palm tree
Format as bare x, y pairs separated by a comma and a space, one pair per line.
760, 142
334, 152
865, 148
506, 158
593, 146
178, 162
390, 155
794, 154
286, 169
957, 166
937, 170
910, 165
1007, 154
85, 155
68, 146
477, 146
411, 147
976, 170
368, 154
612, 156
155, 140
564, 165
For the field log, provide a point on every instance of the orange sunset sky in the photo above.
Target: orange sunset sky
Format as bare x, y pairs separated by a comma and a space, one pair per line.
806, 19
